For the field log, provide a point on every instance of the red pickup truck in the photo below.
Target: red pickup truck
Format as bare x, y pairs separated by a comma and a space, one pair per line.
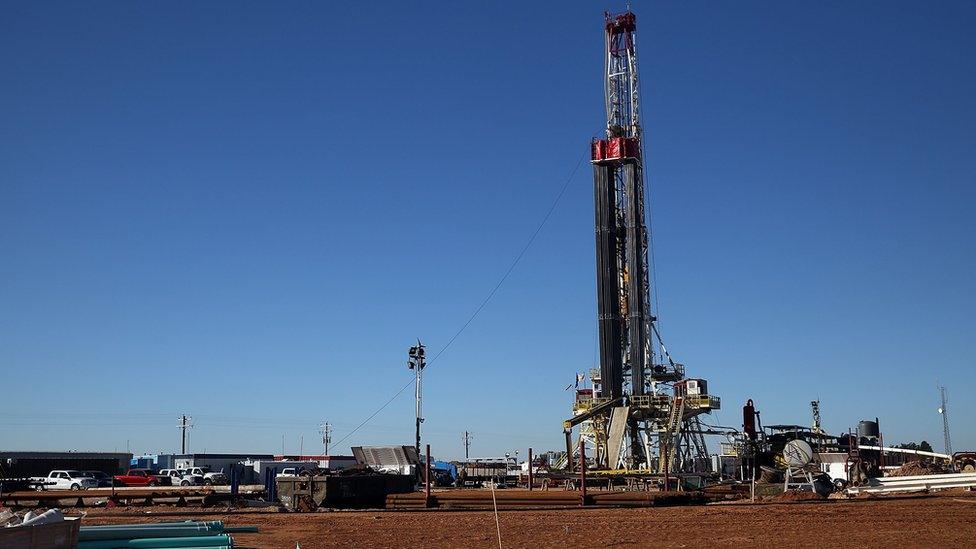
140, 477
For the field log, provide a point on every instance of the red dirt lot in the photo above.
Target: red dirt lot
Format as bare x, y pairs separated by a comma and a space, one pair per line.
946, 520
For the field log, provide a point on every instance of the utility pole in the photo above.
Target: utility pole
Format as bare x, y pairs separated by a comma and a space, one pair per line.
467, 443
184, 425
417, 361
326, 431
944, 412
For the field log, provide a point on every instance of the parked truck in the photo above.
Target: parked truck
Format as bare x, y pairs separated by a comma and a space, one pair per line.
182, 477
964, 462
103, 479
65, 480
142, 477
210, 478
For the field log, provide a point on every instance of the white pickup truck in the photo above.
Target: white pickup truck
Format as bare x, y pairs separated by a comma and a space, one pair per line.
65, 480
210, 478
182, 477
292, 471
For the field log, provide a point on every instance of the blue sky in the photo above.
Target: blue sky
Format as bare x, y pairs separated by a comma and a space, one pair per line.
248, 212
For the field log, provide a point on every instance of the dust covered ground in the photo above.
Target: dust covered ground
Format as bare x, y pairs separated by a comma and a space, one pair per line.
943, 520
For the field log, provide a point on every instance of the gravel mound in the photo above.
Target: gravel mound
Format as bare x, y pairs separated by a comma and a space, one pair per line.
914, 468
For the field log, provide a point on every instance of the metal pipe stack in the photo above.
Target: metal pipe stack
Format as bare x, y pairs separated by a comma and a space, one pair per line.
523, 499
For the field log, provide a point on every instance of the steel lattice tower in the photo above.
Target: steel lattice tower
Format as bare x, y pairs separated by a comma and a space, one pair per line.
626, 416
621, 234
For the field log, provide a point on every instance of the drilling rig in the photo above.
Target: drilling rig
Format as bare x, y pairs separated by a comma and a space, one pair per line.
640, 412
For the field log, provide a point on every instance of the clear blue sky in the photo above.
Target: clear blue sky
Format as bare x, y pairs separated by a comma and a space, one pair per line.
248, 212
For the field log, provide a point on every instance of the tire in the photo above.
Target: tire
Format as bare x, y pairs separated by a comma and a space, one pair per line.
185, 483
840, 484
75, 487
39, 488
152, 483
207, 482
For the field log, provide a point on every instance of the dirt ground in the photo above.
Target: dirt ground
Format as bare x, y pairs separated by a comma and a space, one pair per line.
944, 520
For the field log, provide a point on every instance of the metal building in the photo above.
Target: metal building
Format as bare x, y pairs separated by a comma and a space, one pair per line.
38, 464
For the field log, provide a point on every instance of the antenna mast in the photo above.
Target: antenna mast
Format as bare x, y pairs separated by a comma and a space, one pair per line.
815, 408
417, 361
944, 412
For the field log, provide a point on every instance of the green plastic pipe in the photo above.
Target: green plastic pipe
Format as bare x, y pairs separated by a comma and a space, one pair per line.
206, 547
183, 547
196, 541
158, 543
241, 529
124, 532
214, 524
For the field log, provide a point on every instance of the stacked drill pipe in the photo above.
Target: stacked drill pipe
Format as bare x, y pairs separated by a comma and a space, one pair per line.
915, 483
128, 494
521, 499
162, 535
727, 490
649, 499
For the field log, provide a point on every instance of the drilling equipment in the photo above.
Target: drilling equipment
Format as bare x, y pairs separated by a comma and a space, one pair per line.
639, 413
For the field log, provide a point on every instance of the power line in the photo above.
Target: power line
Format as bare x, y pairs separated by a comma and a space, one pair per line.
484, 302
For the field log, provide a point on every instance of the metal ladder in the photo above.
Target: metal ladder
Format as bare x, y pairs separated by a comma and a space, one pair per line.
673, 430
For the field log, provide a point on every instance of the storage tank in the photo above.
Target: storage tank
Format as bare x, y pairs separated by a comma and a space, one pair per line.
868, 429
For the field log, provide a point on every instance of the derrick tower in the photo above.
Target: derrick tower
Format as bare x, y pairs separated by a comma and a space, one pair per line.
639, 412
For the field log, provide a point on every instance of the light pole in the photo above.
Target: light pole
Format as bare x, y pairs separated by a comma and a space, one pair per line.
417, 361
